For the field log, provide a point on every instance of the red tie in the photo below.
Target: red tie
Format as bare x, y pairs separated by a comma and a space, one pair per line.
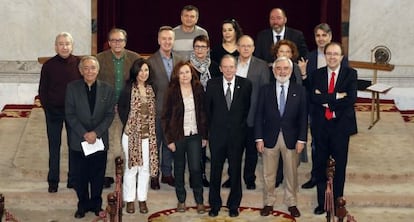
328, 112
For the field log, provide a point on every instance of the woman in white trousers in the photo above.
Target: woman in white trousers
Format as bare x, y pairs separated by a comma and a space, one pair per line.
136, 108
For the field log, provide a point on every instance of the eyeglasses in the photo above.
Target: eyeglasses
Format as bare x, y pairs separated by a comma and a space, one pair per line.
332, 54
116, 40
200, 47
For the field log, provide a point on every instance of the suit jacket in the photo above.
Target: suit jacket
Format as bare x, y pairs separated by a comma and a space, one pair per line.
345, 119
293, 123
107, 70
224, 123
78, 114
264, 43
160, 78
258, 74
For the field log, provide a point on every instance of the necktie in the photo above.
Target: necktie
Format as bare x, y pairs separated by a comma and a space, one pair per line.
282, 100
328, 112
278, 37
228, 96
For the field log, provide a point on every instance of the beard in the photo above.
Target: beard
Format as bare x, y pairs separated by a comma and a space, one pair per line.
282, 79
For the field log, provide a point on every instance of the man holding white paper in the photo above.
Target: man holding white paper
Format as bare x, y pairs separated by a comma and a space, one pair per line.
89, 108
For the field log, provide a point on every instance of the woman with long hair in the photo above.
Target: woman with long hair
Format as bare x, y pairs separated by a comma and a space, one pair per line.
231, 32
136, 108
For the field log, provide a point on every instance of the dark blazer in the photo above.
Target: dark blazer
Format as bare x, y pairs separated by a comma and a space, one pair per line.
160, 78
224, 122
293, 123
78, 114
258, 74
264, 43
173, 115
344, 108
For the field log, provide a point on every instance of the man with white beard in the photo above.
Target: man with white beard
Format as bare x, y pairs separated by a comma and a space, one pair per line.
281, 129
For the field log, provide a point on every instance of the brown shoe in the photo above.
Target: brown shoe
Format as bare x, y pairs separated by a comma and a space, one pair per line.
143, 207
201, 209
294, 211
168, 180
130, 207
155, 184
181, 207
266, 210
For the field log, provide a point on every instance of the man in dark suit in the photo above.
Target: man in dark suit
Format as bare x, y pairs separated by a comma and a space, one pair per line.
162, 63
333, 95
281, 126
277, 31
228, 103
257, 72
315, 60
89, 108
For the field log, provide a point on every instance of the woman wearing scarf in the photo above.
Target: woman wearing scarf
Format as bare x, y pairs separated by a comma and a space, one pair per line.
206, 69
136, 108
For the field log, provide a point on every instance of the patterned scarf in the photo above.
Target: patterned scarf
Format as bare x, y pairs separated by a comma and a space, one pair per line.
135, 119
202, 68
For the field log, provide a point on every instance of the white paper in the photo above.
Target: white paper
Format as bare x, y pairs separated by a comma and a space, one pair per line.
89, 149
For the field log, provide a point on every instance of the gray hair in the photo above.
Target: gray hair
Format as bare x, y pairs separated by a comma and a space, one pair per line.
282, 58
64, 34
80, 66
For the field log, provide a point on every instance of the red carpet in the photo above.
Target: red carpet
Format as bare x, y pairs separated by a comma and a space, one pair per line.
19, 110
364, 105
16, 111
246, 214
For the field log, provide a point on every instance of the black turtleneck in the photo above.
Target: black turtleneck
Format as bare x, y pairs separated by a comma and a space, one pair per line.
56, 73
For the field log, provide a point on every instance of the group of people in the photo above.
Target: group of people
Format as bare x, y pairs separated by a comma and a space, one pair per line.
164, 112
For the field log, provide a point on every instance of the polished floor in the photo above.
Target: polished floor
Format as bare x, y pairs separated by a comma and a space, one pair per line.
379, 187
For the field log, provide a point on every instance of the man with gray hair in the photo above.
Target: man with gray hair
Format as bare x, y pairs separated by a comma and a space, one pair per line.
281, 125
89, 109
56, 73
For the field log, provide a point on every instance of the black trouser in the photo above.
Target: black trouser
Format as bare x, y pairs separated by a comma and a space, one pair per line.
233, 151
250, 160
88, 172
55, 117
188, 150
332, 142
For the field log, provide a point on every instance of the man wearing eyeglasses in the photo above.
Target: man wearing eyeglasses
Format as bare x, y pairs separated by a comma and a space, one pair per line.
333, 95
115, 63
256, 70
